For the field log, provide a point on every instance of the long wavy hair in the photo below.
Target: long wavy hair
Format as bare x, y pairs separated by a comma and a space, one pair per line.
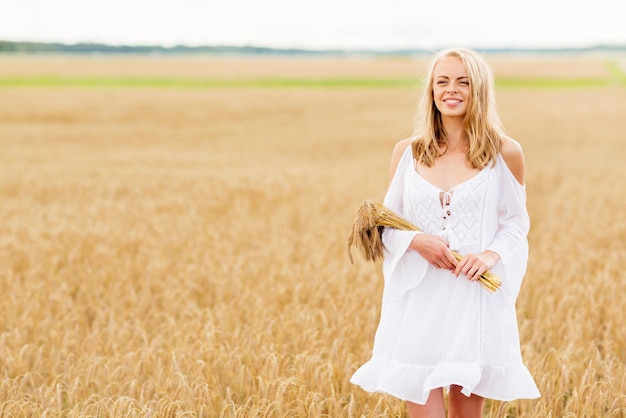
481, 124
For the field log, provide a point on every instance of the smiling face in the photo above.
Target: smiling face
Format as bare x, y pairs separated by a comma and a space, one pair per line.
451, 87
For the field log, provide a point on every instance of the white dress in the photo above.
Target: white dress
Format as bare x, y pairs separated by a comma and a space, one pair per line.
436, 329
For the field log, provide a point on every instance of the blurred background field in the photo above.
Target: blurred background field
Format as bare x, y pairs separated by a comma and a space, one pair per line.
174, 243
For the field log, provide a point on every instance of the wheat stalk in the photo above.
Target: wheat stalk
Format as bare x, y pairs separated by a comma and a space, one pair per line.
366, 235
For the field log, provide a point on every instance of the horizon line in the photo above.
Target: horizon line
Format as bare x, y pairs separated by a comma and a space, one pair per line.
267, 48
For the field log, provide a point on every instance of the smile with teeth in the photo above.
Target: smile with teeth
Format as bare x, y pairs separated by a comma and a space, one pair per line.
452, 101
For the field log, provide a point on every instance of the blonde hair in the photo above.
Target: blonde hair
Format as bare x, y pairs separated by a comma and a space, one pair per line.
481, 124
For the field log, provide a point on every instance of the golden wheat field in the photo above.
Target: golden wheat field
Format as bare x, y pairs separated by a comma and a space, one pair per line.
180, 252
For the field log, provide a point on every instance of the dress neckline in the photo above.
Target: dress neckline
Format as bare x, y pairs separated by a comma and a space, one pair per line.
453, 188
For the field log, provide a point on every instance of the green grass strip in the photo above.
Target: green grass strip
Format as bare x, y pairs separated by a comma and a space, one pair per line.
143, 82
617, 78
550, 83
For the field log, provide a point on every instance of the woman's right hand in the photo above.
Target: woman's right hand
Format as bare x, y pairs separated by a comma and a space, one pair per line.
435, 250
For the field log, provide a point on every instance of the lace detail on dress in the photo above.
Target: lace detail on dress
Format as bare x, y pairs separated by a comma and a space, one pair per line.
455, 214
466, 206
425, 208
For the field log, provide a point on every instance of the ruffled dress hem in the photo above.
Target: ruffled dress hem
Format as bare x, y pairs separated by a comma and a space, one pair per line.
414, 383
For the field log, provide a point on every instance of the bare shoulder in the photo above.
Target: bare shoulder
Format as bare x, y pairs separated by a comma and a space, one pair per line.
398, 150
513, 156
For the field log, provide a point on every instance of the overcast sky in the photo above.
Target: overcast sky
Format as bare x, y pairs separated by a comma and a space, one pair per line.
317, 24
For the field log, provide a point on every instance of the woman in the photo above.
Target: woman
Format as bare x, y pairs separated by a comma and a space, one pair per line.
460, 180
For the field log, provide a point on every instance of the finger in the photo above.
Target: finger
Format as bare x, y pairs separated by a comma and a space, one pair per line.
452, 259
479, 272
459, 267
445, 264
457, 270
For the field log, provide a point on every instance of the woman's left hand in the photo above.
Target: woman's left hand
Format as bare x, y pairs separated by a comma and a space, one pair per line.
474, 265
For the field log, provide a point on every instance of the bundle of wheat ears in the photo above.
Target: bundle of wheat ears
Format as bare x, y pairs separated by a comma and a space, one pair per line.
366, 235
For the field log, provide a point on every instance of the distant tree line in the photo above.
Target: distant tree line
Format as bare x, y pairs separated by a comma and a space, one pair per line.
97, 48
82, 48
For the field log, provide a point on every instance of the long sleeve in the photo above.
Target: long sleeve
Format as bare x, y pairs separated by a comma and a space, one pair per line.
403, 269
510, 240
